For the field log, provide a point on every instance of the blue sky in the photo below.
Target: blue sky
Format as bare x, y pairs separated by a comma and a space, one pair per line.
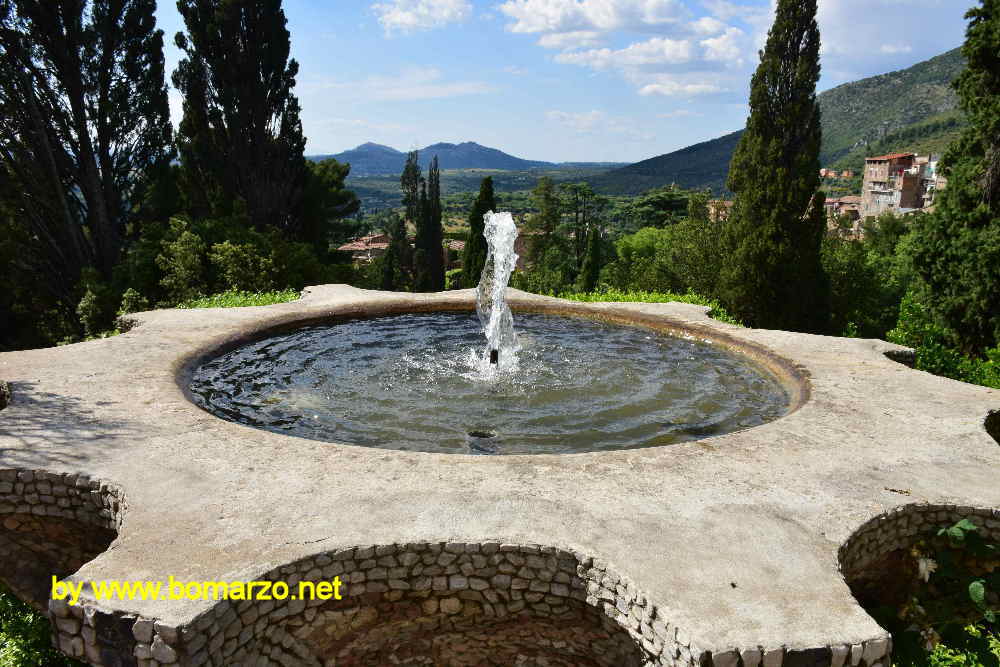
565, 80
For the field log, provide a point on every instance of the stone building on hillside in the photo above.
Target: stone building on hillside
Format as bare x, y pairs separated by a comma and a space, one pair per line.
899, 182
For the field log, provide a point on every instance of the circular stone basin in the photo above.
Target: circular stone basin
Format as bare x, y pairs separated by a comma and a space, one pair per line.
419, 382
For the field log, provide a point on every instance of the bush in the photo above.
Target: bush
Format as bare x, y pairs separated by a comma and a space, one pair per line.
182, 261
936, 601
242, 267
238, 299
26, 636
610, 294
917, 328
133, 302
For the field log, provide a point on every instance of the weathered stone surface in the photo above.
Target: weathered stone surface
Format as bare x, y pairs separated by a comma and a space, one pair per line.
238, 498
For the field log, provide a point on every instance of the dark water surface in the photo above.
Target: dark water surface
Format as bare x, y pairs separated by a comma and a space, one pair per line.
418, 382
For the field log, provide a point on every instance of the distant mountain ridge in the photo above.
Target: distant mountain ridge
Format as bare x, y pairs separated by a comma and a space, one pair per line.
370, 159
915, 105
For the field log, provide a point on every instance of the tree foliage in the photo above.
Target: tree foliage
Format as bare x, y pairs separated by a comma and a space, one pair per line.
84, 122
428, 257
773, 276
474, 257
326, 203
240, 140
957, 249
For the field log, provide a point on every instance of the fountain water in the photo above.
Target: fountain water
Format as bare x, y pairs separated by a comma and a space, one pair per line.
491, 295
422, 381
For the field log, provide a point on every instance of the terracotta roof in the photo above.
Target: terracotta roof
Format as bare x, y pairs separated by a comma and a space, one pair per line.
890, 156
850, 199
455, 245
372, 241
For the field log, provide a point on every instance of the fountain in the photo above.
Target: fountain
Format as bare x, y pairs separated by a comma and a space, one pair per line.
491, 295
421, 381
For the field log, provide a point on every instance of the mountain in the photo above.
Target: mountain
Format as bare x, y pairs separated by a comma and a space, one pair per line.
868, 110
375, 159
703, 165
913, 109
370, 158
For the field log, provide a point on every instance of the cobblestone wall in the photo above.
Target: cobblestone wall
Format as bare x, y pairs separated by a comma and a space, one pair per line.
900, 529
452, 604
51, 524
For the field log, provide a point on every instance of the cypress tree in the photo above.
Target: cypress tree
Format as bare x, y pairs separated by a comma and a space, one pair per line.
241, 139
956, 249
773, 276
409, 183
394, 274
474, 257
429, 255
590, 272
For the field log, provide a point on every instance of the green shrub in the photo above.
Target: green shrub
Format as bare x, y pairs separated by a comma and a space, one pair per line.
453, 279
26, 636
182, 261
936, 603
917, 328
242, 267
610, 294
133, 302
238, 299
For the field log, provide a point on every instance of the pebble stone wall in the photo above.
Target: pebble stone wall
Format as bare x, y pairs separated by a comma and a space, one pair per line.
443, 603
52, 524
863, 553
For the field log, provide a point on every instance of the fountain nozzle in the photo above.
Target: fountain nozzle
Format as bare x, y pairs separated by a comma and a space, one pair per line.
494, 356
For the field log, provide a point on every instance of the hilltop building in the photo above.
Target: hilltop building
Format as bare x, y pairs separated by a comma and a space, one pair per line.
899, 182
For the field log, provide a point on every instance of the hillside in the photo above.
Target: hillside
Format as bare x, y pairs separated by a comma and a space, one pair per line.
376, 160
703, 165
871, 109
913, 109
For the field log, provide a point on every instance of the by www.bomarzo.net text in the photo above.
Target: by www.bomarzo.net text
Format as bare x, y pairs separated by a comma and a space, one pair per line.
173, 589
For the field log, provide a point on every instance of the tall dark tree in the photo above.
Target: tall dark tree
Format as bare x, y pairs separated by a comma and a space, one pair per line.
773, 276
428, 262
84, 121
409, 183
474, 257
241, 139
957, 249
543, 226
590, 271
583, 207
396, 263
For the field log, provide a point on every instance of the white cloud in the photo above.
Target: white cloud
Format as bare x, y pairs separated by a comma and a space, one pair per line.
672, 88
602, 15
576, 39
707, 25
892, 49
598, 122
655, 51
412, 83
409, 16
680, 113
726, 48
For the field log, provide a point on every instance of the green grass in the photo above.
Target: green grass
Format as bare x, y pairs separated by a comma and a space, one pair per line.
717, 311
238, 299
